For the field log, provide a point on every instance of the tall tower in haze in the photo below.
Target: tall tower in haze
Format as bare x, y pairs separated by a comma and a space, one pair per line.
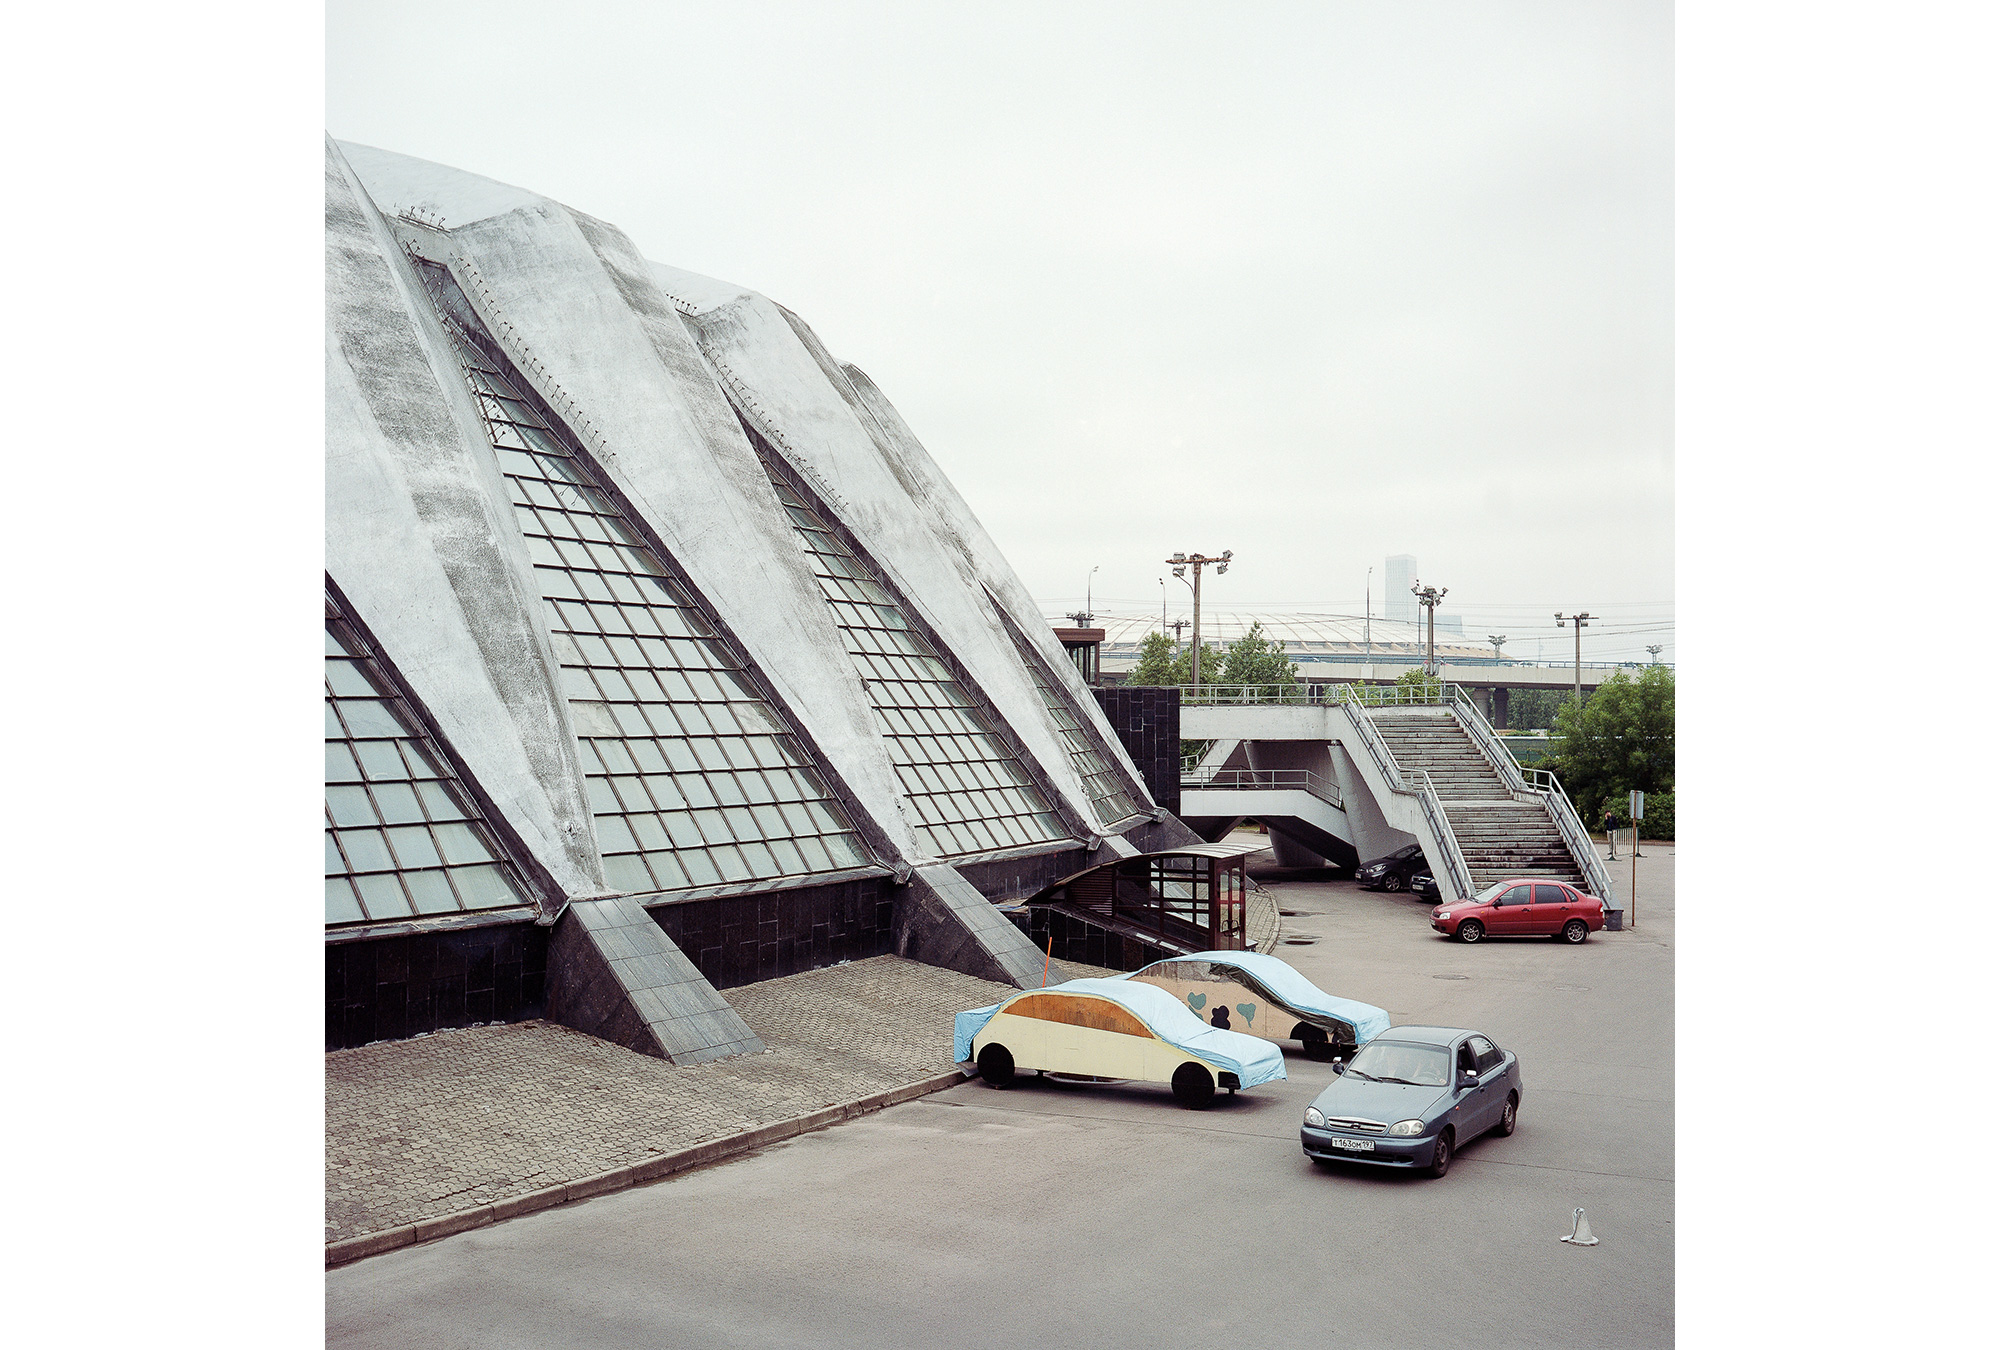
1399, 573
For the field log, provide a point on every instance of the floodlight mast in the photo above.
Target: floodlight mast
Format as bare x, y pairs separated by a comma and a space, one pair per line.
1581, 622
1428, 597
1180, 562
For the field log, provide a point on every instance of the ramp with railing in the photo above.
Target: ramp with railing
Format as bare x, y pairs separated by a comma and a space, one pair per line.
1299, 804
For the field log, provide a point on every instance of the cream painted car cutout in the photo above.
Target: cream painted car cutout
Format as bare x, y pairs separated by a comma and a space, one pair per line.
1127, 1032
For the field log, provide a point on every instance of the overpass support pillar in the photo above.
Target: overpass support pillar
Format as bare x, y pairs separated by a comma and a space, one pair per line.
1496, 712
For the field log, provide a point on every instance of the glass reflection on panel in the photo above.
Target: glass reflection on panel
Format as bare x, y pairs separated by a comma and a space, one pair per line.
969, 793
667, 725
387, 798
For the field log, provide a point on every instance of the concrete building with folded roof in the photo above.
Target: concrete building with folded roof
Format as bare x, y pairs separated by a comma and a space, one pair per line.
661, 657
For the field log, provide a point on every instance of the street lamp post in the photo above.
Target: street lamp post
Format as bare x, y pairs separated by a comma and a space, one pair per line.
1428, 597
1180, 562
1580, 620
1654, 650
1498, 640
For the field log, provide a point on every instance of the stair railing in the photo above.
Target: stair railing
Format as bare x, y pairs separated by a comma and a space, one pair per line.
1388, 695
1476, 726
1454, 857
1378, 749
1568, 824
1270, 779
1541, 784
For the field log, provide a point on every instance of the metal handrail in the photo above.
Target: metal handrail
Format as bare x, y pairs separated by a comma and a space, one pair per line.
1204, 695
1440, 823
1570, 826
1540, 782
1476, 726
1250, 779
1391, 695
1378, 749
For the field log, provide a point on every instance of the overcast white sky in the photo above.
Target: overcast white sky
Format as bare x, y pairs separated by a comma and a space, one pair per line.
1316, 283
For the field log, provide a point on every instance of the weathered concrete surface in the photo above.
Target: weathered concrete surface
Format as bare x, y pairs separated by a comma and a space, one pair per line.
424, 1128
421, 540
643, 354
788, 381
953, 523
576, 309
914, 1226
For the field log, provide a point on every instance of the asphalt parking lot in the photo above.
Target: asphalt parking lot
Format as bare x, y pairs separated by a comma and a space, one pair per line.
1106, 1216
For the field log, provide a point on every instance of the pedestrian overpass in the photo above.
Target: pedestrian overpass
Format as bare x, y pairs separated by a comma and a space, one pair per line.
1344, 773
1297, 804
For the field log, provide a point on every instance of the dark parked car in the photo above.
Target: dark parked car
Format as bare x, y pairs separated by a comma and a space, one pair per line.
1393, 872
1424, 886
1412, 1097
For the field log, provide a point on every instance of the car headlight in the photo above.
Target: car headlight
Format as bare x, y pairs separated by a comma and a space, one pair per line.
1314, 1118
1406, 1128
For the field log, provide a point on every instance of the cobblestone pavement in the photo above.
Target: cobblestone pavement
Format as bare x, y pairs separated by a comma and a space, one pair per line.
421, 1128
453, 1120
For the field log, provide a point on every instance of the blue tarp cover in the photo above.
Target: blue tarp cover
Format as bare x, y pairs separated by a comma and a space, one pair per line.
1252, 1060
1298, 993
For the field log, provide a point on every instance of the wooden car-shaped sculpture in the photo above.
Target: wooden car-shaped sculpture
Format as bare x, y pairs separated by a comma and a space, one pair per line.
1263, 996
1111, 1029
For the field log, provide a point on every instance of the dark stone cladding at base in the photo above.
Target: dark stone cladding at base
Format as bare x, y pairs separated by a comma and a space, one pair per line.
740, 939
386, 989
1161, 835
1148, 724
1084, 942
1018, 878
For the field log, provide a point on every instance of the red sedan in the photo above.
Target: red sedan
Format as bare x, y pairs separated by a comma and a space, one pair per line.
1522, 907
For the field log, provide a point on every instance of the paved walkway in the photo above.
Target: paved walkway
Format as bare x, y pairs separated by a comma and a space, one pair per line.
422, 1128
454, 1120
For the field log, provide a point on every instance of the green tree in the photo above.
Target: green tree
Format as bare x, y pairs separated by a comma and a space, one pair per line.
1415, 678
1534, 708
1160, 665
1621, 738
1254, 659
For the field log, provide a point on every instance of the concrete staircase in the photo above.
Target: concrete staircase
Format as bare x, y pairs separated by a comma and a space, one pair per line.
1511, 839
1431, 740
1499, 836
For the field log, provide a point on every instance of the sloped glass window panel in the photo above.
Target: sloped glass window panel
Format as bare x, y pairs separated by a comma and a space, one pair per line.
651, 691
928, 718
401, 837
1109, 796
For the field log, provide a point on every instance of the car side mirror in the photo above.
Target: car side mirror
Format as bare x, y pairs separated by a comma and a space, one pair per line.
1339, 1066
1468, 1079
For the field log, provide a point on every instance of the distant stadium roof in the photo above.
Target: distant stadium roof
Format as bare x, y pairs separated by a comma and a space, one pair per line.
1307, 637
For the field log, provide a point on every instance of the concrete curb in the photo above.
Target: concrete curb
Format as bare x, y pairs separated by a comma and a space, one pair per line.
656, 1168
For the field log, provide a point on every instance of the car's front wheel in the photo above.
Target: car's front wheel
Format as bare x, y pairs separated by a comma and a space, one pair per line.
1441, 1156
1392, 882
1194, 1086
1576, 930
1506, 1125
1471, 931
996, 1065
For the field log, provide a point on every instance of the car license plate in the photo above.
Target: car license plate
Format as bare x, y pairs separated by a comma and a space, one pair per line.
1353, 1145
